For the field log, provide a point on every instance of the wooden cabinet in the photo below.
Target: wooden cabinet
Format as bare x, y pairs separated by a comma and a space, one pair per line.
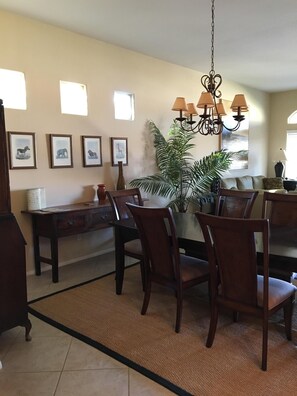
13, 288
61, 221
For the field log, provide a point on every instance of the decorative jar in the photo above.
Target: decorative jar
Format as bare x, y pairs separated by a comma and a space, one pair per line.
101, 193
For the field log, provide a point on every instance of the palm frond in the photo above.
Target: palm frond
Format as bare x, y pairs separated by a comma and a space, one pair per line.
155, 185
180, 178
209, 168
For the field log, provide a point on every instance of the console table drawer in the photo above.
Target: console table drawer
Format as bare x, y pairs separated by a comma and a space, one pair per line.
71, 223
99, 219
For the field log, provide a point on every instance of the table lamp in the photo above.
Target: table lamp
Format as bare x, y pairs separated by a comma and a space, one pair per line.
279, 167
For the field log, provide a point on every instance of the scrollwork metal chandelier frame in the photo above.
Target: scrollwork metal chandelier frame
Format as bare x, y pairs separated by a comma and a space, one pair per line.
210, 122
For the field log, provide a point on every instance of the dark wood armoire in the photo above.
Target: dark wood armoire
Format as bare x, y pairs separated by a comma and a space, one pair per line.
13, 286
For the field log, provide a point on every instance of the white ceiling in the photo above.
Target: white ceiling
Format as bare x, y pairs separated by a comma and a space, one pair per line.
255, 40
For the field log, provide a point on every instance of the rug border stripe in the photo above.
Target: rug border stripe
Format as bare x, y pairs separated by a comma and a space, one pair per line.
142, 370
78, 285
95, 344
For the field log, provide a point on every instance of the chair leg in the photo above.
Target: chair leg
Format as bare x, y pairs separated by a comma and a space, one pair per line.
235, 316
146, 298
264, 344
288, 312
209, 291
143, 274
212, 325
179, 310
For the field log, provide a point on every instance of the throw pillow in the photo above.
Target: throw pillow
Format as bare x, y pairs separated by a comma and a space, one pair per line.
245, 183
258, 182
271, 183
229, 182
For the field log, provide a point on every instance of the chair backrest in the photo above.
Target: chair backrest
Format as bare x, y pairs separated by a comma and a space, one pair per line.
235, 203
118, 199
232, 257
159, 243
280, 209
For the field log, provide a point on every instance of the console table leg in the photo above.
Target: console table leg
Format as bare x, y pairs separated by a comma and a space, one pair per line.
36, 251
54, 258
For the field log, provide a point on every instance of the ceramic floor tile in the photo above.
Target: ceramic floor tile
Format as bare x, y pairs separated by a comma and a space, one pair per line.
42, 329
40, 354
69, 275
28, 384
139, 385
81, 356
36, 368
7, 338
113, 382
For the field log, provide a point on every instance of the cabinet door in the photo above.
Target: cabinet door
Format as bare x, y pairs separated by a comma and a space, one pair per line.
13, 301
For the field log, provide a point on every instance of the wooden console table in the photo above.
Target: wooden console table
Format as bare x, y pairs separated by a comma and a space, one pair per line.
61, 221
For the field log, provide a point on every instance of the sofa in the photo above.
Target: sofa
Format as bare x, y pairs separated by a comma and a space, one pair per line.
259, 183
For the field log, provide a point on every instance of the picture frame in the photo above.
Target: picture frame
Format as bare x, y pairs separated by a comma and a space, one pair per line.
92, 151
22, 151
61, 151
119, 150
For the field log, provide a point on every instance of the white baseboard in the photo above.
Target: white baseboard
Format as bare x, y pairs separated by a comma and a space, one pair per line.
74, 260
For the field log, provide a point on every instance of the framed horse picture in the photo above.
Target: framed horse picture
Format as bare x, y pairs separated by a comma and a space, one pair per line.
92, 152
22, 152
61, 151
119, 150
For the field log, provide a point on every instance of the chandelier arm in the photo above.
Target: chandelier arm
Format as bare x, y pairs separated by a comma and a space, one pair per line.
209, 127
192, 127
237, 126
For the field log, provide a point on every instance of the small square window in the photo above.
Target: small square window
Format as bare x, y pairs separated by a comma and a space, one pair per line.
73, 98
13, 89
123, 106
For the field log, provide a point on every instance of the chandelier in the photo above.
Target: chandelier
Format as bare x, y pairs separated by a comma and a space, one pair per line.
210, 122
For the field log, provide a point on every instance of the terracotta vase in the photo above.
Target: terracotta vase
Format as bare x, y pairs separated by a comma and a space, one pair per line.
121, 184
101, 193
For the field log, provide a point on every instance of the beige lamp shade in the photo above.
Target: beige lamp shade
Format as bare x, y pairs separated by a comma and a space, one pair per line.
282, 156
220, 109
205, 100
191, 109
179, 104
239, 102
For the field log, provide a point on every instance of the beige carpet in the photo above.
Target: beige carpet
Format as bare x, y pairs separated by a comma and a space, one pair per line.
181, 362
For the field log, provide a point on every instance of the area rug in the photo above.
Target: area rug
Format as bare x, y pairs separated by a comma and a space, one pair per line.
180, 362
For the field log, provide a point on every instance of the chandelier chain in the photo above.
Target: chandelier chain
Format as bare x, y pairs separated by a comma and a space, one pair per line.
212, 35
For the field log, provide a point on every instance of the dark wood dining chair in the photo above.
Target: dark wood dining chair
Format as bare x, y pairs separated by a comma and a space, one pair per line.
234, 282
235, 203
281, 210
163, 262
118, 200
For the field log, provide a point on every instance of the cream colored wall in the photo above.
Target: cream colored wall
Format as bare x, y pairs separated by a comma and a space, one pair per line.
47, 54
283, 104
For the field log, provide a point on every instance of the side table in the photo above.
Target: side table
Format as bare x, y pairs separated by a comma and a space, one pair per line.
61, 221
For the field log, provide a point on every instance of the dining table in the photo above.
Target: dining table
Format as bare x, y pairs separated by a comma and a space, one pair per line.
282, 244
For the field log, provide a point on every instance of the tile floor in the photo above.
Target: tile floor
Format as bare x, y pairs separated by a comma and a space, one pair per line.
54, 363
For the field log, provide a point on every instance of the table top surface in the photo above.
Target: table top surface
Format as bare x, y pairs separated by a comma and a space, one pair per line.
68, 208
283, 240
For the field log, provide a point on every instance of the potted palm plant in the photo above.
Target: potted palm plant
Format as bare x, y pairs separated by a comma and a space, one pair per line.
180, 178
